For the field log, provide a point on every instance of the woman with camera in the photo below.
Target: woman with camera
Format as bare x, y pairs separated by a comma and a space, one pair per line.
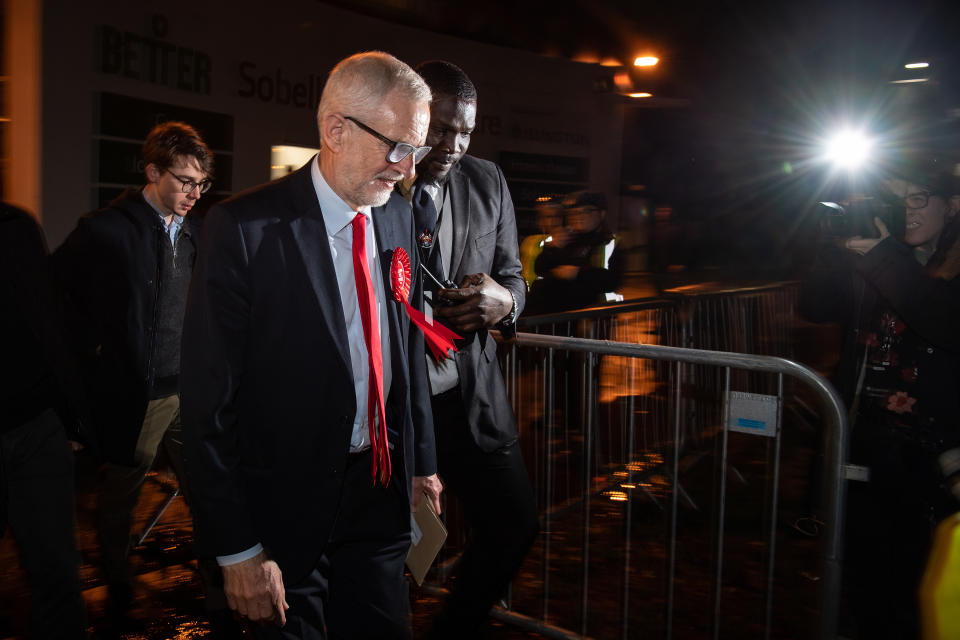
898, 301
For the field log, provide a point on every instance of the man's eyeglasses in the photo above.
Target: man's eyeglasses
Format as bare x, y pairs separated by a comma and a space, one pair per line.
187, 185
398, 150
917, 200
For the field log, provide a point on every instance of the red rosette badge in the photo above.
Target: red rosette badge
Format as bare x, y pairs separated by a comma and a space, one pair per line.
438, 338
400, 275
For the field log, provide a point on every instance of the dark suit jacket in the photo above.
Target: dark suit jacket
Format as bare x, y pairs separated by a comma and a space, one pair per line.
38, 371
485, 240
267, 394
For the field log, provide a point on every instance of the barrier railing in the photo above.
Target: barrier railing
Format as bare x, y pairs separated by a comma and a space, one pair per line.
615, 436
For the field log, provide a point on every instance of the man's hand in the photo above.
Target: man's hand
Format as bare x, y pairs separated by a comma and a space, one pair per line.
254, 589
429, 485
480, 302
864, 245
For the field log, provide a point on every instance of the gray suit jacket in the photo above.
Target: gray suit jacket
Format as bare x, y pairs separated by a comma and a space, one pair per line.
485, 240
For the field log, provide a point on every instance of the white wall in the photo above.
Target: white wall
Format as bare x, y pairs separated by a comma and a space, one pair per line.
528, 103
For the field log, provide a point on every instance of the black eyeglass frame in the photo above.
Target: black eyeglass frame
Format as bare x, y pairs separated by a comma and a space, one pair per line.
185, 183
926, 195
398, 150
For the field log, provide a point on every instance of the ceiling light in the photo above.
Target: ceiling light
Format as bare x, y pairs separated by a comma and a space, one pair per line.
916, 65
646, 61
640, 94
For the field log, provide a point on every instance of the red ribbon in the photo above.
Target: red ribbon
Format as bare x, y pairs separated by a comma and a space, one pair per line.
439, 338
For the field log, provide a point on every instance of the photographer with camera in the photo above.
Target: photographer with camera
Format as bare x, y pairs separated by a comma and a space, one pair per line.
897, 298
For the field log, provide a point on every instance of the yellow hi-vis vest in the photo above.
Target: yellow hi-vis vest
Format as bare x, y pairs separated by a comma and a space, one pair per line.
940, 587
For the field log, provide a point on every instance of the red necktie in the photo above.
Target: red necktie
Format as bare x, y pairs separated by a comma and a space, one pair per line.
371, 335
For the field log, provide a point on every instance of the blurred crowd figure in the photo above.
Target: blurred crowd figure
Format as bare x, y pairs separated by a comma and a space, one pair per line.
549, 218
897, 297
578, 265
43, 406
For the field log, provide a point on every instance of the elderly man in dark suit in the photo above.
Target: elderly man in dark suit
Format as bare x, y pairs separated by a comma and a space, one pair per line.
305, 421
467, 234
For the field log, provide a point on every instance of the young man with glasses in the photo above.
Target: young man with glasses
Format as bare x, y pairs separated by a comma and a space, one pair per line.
126, 269
897, 300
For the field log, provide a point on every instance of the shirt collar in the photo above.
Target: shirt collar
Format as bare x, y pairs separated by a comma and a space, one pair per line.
337, 214
175, 222
405, 187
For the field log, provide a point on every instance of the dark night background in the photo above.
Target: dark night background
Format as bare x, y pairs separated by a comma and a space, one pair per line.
746, 92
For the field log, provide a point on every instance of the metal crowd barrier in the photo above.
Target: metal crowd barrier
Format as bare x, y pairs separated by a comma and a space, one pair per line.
658, 520
754, 320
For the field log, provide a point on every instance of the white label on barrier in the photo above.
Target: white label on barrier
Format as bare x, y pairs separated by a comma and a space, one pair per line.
753, 413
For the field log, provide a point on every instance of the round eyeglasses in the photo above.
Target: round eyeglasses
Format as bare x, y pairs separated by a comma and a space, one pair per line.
917, 200
187, 185
398, 150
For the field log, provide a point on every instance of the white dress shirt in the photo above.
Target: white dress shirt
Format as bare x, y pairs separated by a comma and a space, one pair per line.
338, 218
443, 375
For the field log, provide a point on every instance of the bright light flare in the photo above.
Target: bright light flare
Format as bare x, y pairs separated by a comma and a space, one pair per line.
640, 94
916, 65
646, 61
849, 149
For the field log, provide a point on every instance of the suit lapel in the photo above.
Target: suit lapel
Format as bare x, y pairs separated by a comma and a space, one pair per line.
459, 187
386, 232
387, 241
310, 234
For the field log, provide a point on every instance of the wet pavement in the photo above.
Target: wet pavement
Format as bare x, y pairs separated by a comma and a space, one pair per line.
168, 597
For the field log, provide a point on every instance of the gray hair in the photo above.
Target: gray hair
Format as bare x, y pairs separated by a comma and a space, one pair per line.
359, 84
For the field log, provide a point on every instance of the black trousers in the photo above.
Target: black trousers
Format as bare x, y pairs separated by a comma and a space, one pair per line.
500, 509
358, 589
37, 467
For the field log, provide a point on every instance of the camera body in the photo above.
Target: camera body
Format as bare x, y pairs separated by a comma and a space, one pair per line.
855, 217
